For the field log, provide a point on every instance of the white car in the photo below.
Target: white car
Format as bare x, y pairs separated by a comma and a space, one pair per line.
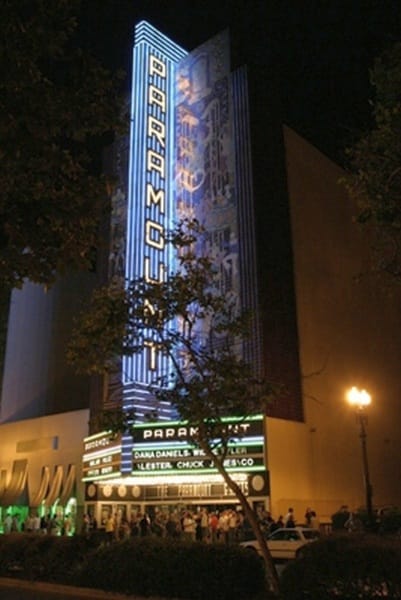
285, 544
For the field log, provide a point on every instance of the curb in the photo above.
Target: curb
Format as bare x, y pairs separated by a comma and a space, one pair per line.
67, 590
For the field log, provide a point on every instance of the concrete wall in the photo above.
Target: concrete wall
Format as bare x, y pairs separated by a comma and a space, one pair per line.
37, 379
348, 326
45, 442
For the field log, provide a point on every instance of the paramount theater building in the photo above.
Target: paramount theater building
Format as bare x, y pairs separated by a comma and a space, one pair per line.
189, 157
206, 141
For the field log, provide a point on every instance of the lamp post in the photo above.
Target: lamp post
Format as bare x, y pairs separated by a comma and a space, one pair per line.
359, 400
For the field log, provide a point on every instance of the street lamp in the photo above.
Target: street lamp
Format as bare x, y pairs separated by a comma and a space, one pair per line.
359, 400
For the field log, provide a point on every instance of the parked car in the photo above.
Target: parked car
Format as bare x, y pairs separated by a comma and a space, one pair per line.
286, 543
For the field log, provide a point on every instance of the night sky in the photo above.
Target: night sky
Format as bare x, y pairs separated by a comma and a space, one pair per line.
319, 50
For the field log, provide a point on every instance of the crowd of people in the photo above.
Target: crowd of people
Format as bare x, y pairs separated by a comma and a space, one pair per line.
51, 524
228, 525
202, 525
288, 520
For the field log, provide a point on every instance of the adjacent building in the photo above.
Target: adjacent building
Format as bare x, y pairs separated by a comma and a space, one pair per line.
44, 410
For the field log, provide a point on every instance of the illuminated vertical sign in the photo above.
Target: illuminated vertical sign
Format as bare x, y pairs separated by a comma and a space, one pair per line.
150, 192
181, 165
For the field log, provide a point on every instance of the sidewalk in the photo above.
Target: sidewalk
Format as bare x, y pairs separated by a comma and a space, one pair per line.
67, 590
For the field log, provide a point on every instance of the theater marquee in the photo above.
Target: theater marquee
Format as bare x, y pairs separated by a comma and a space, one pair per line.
166, 448
102, 456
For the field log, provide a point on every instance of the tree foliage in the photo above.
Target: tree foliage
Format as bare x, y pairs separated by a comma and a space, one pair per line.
375, 164
187, 320
56, 103
98, 342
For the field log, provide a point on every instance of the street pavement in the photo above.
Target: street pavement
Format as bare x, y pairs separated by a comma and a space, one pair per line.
14, 589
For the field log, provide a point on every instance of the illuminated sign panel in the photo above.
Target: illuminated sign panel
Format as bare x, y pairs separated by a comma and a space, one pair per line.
176, 431
165, 448
150, 193
102, 456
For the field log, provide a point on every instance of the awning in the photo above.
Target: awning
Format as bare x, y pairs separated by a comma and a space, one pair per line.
55, 486
38, 496
68, 485
17, 483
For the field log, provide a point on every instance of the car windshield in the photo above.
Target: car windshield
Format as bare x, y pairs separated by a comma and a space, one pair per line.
284, 535
311, 534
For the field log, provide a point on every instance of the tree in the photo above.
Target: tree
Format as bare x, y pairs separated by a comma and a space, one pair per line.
374, 178
56, 103
201, 332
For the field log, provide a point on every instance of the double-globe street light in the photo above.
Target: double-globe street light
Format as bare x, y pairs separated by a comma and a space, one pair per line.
359, 400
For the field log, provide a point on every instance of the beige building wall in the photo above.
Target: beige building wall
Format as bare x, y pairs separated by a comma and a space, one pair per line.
53, 441
349, 333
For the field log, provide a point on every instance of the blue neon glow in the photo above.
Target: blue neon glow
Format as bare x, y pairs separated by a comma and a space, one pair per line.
150, 190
